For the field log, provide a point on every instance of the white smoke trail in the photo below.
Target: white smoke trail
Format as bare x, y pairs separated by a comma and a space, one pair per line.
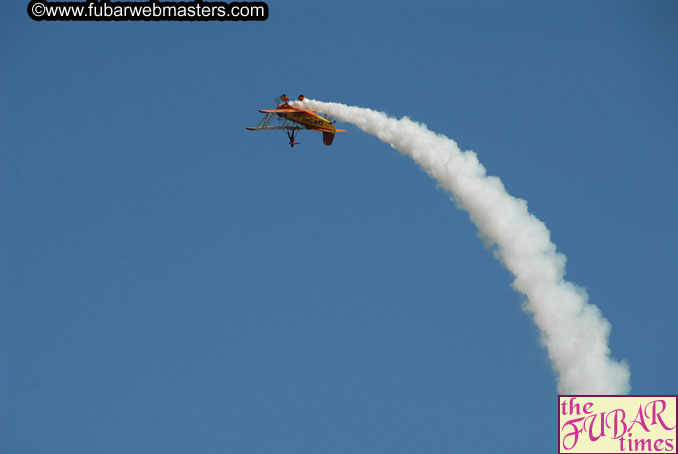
573, 331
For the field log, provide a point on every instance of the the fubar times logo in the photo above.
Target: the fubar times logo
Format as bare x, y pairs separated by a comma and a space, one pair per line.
617, 424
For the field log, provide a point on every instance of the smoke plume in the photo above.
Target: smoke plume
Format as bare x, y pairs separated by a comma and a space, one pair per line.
573, 331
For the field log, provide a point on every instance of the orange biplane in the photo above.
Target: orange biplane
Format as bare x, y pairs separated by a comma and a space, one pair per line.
293, 119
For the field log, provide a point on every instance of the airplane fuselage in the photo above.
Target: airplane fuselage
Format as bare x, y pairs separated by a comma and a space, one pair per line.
308, 120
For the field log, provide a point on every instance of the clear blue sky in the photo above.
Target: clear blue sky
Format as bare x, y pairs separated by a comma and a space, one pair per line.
174, 283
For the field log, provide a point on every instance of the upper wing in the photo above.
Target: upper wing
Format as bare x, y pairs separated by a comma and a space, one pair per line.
324, 129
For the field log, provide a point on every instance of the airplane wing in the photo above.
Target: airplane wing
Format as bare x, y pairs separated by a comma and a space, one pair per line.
277, 110
290, 109
325, 129
265, 128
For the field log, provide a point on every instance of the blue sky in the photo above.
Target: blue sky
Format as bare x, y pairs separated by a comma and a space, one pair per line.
172, 282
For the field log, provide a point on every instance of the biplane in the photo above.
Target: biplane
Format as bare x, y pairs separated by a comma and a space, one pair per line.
293, 119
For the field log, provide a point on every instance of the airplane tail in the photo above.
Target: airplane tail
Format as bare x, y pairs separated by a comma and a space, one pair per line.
328, 137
